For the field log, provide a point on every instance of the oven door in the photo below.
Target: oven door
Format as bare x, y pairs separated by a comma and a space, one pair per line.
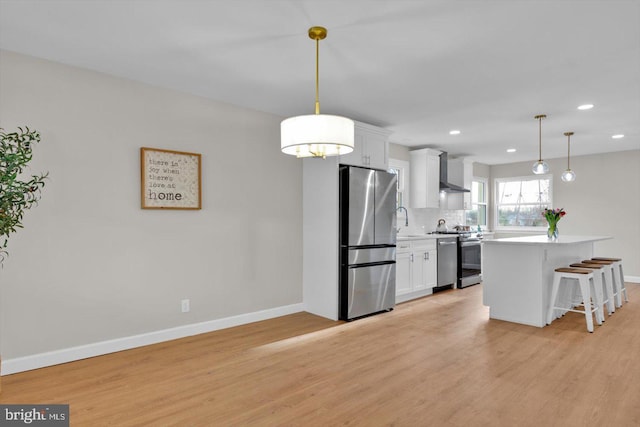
470, 261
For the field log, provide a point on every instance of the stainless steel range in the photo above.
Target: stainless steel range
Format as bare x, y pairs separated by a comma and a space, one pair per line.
469, 256
469, 259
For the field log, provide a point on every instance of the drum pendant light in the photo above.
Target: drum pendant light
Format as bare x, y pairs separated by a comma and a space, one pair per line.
540, 166
568, 175
317, 135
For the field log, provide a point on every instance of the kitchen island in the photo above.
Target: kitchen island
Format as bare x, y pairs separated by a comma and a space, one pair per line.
517, 273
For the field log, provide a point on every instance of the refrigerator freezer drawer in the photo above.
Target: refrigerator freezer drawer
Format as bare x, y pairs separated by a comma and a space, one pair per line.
370, 289
367, 255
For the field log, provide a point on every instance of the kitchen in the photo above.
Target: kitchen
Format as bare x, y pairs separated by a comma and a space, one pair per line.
416, 249
240, 259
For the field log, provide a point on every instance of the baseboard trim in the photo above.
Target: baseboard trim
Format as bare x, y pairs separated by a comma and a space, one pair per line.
41, 360
632, 279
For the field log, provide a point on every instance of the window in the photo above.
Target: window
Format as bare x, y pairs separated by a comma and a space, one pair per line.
520, 202
478, 213
401, 168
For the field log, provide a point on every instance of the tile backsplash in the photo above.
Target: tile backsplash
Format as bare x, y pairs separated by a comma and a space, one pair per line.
423, 221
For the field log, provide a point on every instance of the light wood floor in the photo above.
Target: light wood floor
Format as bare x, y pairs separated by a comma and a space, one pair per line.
437, 361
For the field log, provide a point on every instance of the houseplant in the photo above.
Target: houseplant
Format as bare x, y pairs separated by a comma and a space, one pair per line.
17, 192
553, 216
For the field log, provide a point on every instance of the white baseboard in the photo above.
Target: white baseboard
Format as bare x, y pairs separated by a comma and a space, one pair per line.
41, 360
632, 279
412, 295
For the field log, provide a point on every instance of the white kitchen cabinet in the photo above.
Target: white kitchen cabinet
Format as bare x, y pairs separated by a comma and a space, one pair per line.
424, 266
416, 269
425, 178
460, 173
403, 272
371, 148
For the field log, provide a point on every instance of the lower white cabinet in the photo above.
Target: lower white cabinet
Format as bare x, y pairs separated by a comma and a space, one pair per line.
416, 268
404, 268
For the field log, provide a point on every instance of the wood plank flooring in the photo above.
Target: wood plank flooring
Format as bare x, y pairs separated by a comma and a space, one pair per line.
437, 361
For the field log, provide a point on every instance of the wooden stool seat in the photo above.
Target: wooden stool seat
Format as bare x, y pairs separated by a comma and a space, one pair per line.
573, 270
598, 261
586, 265
606, 259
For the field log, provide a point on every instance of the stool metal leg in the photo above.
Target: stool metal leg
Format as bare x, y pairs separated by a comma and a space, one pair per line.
608, 289
586, 295
554, 295
598, 295
618, 267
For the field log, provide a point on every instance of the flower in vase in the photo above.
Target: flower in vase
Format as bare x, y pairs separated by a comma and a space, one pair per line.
553, 216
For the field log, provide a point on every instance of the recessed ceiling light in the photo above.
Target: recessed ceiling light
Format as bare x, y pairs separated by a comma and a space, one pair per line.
618, 136
454, 132
585, 107
511, 150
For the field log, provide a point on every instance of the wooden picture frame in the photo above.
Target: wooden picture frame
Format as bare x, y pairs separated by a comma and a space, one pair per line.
170, 179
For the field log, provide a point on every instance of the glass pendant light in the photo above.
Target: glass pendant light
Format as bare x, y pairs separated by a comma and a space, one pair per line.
568, 175
540, 167
317, 135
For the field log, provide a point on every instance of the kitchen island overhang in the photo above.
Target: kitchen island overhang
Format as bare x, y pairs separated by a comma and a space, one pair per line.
517, 273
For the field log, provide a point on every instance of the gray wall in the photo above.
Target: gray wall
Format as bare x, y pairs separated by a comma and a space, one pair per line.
603, 200
399, 152
90, 265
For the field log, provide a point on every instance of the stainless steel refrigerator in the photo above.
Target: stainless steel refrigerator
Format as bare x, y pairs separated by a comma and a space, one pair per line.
367, 241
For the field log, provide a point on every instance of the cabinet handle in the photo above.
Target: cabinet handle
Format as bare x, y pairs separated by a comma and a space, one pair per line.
426, 256
412, 257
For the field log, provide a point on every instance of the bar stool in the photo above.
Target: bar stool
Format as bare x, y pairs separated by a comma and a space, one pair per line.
610, 272
603, 285
617, 267
586, 281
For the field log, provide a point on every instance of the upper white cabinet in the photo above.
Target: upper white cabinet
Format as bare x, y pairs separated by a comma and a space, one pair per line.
425, 178
460, 173
371, 148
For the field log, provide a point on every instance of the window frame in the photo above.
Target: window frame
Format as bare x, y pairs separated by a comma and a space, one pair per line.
496, 204
485, 181
402, 166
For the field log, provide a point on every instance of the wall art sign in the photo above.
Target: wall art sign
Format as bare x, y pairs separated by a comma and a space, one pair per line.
170, 179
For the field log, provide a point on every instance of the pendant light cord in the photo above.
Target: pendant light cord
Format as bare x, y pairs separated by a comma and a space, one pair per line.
317, 76
568, 151
540, 138
568, 135
540, 117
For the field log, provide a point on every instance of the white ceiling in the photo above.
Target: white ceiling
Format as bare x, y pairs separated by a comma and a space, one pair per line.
417, 68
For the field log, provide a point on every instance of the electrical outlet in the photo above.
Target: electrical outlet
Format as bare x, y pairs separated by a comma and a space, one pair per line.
185, 306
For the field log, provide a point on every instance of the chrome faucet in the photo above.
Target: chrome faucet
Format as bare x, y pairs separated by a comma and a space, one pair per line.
406, 215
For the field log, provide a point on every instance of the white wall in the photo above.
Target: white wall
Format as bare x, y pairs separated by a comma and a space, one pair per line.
603, 200
91, 265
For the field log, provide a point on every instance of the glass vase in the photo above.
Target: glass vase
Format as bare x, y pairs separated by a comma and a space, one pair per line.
552, 232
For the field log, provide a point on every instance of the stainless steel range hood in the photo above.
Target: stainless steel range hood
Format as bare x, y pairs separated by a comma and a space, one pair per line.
445, 185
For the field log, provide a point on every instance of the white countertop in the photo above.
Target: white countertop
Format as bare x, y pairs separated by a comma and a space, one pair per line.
544, 240
424, 236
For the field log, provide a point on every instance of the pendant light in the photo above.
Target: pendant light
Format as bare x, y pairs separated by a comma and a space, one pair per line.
317, 135
540, 166
568, 175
